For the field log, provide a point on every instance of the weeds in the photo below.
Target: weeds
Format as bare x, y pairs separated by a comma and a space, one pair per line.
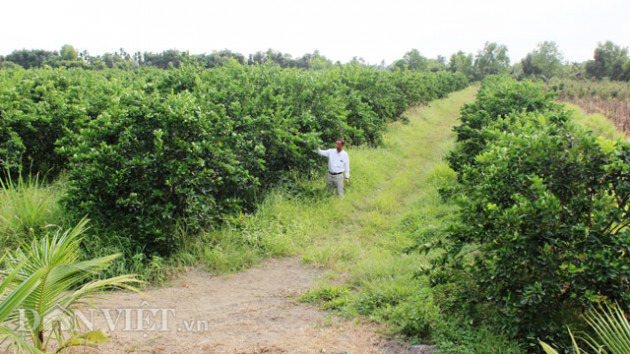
27, 207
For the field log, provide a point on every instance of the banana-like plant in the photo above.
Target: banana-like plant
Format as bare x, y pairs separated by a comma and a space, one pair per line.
612, 332
47, 283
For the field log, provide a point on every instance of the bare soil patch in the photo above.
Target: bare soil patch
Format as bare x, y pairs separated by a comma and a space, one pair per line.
251, 312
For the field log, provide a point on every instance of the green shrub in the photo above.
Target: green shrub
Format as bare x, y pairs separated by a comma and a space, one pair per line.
418, 317
380, 295
37, 108
149, 163
497, 98
331, 297
543, 223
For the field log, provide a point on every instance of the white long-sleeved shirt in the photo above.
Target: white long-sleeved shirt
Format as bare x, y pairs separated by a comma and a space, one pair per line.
337, 161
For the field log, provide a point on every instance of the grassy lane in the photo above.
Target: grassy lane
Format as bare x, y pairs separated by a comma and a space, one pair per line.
392, 185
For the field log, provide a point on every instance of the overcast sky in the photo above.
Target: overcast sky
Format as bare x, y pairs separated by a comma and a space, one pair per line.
339, 29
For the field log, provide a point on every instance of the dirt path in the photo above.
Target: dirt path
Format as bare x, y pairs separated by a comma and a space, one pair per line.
251, 312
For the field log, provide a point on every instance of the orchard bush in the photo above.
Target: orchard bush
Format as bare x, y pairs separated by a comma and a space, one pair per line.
35, 110
42, 109
498, 97
150, 163
543, 225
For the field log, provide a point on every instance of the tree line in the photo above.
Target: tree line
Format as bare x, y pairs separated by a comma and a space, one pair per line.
610, 61
70, 57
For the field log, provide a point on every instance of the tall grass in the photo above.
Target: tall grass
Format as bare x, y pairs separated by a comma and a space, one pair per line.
27, 206
597, 123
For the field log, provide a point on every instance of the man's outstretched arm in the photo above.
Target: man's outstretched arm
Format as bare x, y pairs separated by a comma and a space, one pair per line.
323, 152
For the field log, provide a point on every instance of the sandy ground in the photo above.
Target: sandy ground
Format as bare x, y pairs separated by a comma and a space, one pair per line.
251, 312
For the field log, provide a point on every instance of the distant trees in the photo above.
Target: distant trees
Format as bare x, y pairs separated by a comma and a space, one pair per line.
68, 56
285, 60
163, 60
260, 57
413, 60
491, 60
68, 52
4, 64
462, 63
610, 61
320, 62
34, 58
545, 61
220, 58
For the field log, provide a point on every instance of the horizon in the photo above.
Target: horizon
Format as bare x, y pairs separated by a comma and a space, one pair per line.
293, 56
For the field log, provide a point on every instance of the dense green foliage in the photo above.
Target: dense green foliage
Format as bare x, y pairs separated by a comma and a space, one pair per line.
498, 97
543, 225
39, 107
150, 151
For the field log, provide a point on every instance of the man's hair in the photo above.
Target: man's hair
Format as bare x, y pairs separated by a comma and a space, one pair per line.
341, 141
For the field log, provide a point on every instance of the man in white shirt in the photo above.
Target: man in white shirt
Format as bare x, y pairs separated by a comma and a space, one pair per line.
338, 163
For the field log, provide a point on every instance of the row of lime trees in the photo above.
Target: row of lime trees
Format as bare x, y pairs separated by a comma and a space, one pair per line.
541, 233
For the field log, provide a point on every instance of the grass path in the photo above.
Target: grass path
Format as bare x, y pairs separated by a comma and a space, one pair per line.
396, 180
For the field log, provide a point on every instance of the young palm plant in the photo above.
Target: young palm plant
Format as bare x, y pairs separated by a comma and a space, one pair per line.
49, 282
612, 332
10, 305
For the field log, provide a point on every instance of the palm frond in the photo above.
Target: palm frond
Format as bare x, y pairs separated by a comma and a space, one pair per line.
17, 340
46, 276
612, 330
16, 298
547, 348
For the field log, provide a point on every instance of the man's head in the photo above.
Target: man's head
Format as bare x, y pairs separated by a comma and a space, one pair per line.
339, 144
